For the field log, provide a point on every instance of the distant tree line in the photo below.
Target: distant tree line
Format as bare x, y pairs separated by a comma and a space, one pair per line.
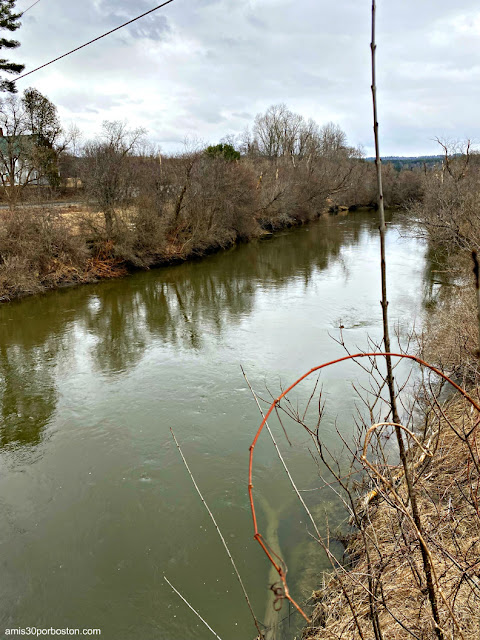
414, 162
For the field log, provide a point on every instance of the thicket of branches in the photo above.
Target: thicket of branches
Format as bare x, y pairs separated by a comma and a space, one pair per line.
403, 575
137, 207
411, 564
449, 220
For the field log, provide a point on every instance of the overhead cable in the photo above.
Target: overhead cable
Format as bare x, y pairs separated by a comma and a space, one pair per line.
92, 41
30, 7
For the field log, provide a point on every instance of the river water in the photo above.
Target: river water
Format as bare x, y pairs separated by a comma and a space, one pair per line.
96, 505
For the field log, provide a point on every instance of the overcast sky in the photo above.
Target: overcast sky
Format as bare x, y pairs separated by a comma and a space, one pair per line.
204, 68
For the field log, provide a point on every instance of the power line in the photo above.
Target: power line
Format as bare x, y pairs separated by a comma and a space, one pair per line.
92, 41
30, 7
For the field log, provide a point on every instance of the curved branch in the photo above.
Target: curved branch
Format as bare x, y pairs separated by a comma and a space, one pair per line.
257, 535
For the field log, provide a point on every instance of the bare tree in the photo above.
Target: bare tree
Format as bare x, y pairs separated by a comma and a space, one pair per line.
15, 149
69, 157
277, 131
332, 139
108, 170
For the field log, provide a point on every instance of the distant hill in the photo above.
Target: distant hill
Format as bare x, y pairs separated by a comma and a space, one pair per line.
404, 162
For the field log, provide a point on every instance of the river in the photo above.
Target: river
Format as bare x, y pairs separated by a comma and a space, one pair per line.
96, 505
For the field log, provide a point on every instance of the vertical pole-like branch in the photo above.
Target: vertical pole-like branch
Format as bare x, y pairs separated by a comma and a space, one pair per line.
383, 228
386, 339
476, 271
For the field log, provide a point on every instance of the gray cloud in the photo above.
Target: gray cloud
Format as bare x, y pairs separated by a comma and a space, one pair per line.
205, 69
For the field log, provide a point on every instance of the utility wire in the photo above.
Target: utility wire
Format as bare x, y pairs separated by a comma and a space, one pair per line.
30, 7
92, 41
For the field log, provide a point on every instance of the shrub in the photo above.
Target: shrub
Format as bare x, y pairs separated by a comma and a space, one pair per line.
38, 250
225, 151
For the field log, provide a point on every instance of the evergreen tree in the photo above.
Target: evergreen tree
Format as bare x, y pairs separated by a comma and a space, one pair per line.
225, 151
42, 117
9, 21
41, 120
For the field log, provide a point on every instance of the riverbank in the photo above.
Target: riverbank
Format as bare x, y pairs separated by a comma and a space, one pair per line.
44, 248
385, 579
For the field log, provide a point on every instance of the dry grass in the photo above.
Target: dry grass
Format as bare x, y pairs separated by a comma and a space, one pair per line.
37, 252
450, 336
42, 248
385, 558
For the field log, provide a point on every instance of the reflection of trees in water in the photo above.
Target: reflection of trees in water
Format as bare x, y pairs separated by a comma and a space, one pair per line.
117, 322
180, 309
182, 303
437, 265
438, 276
27, 394
34, 340
177, 305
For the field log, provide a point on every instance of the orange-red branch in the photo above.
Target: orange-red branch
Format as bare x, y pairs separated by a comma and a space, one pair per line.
257, 534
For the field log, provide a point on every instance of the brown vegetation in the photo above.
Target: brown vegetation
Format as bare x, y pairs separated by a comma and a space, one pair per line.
38, 251
384, 556
138, 208
412, 561
449, 219
449, 209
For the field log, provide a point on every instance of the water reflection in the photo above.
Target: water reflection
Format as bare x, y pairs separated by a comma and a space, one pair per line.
179, 306
115, 319
438, 276
182, 304
27, 377
93, 378
27, 396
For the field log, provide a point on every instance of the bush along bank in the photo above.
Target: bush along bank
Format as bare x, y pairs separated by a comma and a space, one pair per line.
381, 591
44, 248
140, 208
186, 207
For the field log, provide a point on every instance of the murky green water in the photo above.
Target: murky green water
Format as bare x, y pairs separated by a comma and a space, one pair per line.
95, 504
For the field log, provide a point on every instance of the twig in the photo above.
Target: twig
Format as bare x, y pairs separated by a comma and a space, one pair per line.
287, 471
190, 607
476, 271
281, 572
380, 425
221, 537
382, 228
386, 338
258, 536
